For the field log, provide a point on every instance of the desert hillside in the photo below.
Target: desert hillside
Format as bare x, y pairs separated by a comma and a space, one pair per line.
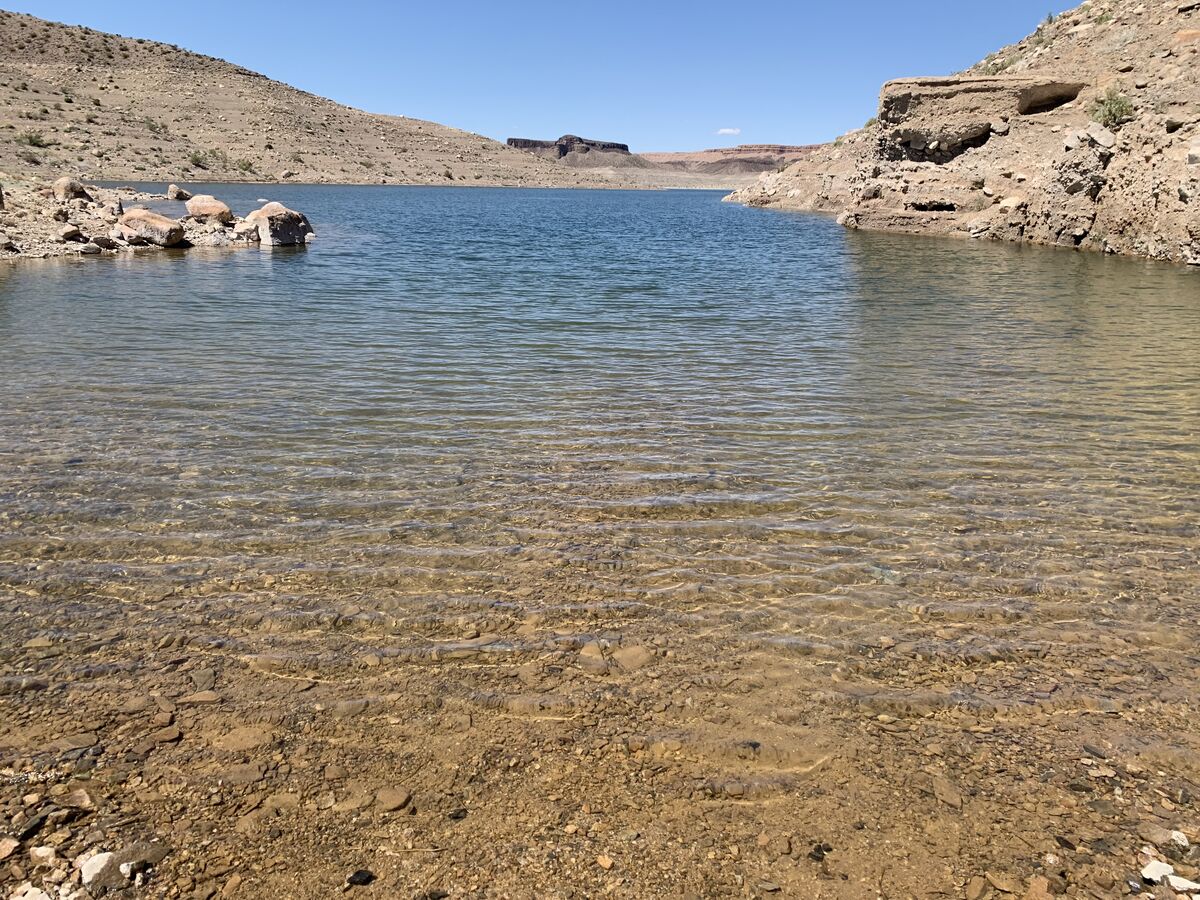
1085, 134
78, 101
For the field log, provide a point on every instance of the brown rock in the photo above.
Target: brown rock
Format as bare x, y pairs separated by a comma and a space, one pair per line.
392, 799
207, 208
151, 228
68, 188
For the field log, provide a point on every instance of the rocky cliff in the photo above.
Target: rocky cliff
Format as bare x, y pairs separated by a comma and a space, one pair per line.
109, 107
1086, 134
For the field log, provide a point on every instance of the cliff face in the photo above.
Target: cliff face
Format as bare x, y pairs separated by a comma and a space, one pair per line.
575, 152
109, 107
1085, 134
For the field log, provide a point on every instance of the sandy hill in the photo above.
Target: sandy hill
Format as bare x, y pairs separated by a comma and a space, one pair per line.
1085, 134
109, 107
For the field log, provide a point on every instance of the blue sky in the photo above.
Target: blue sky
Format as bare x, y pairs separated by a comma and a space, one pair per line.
656, 75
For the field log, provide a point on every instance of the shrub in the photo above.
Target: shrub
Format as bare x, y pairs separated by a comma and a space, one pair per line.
32, 139
245, 165
30, 157
1113, 109
198, 160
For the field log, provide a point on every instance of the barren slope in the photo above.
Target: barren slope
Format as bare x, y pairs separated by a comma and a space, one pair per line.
107, 107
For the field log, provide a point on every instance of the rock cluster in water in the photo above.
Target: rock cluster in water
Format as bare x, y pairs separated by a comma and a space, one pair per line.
67, 217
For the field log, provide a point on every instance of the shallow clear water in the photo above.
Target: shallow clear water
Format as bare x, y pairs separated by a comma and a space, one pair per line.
757, 428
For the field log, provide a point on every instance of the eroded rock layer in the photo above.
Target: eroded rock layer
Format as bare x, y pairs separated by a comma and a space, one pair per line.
1086, 134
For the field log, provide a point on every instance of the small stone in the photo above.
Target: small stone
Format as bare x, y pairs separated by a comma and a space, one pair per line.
348, 709
201, 698
947, 793
604, 862
1156, 870
1003, 883
69, 233
94, 868
1181, 885
591, 658
168, 735
7, 846
976, 888
392, 799
204, 679
360, 877
630, 658
91, 248
42, 856
769, 887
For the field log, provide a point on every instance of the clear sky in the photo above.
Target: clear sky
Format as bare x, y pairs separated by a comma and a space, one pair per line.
657, 75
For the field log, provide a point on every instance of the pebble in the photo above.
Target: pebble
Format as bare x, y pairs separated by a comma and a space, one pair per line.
360, 877
392, 799
604, 862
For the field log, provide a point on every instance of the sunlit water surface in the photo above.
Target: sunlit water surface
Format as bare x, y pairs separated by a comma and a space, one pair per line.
754, 428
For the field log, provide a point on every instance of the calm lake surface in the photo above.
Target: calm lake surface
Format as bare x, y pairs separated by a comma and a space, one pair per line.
757, 427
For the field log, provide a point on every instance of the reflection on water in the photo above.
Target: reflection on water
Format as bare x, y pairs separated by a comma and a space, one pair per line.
758, 428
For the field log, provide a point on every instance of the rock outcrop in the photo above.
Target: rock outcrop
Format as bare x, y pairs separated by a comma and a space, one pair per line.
1083, 135
35, 224
568, 143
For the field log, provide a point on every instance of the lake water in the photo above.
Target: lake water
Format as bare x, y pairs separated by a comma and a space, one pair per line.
679, 415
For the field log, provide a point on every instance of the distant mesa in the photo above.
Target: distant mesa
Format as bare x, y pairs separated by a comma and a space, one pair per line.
568, 143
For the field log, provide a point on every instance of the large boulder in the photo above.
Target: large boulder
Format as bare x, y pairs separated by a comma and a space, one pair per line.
144, 225
280, 226
68, 188
207, 208
175, 192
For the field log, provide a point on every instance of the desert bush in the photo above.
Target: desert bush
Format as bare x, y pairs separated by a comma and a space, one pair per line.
32, 139
1113, 109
